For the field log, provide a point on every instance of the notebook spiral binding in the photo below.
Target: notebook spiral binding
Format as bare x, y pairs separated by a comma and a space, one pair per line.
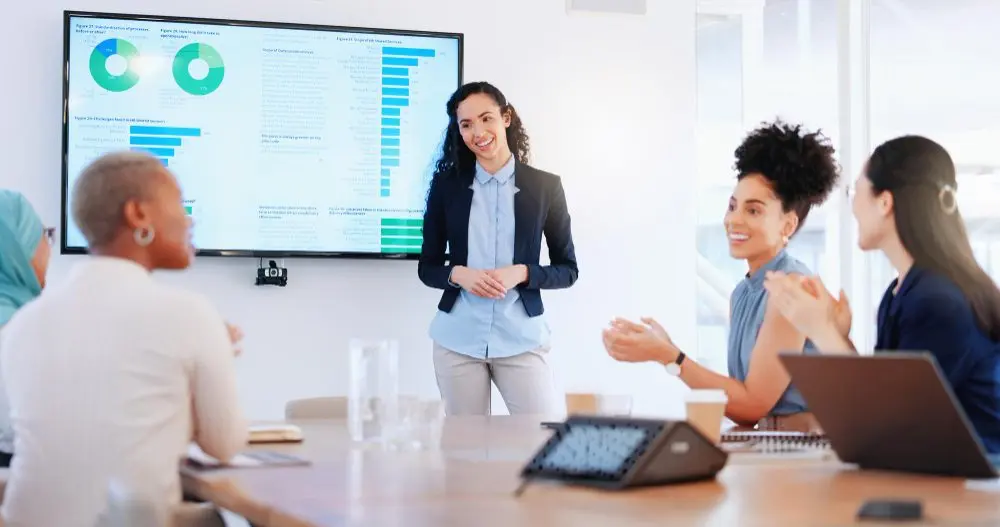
773, 442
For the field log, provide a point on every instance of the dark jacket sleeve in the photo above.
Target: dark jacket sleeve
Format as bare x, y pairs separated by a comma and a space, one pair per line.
562, 271
431, 268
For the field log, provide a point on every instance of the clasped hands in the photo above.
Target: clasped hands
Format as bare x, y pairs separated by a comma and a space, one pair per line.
489, 283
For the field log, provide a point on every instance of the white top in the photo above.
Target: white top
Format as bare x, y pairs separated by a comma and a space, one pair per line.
109, 376
6, 432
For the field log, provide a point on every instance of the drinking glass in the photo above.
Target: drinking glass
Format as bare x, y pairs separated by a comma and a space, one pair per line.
373, 399
419, 423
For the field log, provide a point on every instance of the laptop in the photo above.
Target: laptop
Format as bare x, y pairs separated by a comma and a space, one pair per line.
891, 411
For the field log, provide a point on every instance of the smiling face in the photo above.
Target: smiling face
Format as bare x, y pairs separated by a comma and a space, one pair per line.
163, 213
483, 125
174, 250
756, 223
873, 212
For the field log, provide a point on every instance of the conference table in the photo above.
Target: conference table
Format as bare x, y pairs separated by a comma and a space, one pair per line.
472, 477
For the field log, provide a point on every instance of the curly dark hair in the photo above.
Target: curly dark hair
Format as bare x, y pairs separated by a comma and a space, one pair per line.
456, 159
798, 164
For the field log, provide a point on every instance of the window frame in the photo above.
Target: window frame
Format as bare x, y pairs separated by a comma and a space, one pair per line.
853, 269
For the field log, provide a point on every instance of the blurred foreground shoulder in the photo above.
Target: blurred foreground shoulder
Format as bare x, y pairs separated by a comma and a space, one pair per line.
189, 309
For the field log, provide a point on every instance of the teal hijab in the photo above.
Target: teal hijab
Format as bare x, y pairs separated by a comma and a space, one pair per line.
20, 233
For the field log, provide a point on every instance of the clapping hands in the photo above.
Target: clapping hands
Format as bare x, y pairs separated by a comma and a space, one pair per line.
808, 305
628, 341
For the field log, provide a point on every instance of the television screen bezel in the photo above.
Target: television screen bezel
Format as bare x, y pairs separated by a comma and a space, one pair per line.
68, 16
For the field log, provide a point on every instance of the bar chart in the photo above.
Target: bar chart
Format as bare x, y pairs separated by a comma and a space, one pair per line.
401, 235
397, 65
160, 141
283, 139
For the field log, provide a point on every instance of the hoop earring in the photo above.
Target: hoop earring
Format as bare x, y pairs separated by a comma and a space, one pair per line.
143, 236
948, 199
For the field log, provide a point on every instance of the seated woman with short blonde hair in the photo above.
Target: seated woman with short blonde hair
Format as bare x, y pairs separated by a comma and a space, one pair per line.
111, 374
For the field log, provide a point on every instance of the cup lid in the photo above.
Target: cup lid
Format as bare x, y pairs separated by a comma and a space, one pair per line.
707, 396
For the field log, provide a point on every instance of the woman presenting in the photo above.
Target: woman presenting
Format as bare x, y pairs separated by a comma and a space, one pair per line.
487, 211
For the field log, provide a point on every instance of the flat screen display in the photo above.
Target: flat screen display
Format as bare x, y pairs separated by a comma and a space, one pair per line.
287, 140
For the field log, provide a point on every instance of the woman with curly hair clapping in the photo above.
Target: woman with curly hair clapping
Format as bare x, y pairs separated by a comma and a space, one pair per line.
783, 172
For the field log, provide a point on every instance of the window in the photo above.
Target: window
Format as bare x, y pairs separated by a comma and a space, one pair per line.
932, 74
864, 71
757, 60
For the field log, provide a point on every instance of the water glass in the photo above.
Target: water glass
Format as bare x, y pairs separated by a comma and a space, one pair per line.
419, 425
373, 399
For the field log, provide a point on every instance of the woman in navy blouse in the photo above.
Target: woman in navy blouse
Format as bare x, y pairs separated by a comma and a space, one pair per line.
942, 302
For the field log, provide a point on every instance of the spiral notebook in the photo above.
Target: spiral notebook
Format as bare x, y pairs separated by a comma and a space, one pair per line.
773, 442
781, 436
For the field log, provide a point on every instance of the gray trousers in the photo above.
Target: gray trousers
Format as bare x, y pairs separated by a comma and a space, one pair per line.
525, 382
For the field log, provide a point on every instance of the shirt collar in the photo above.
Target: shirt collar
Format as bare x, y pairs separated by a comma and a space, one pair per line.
911, 278
502, 176
773, 264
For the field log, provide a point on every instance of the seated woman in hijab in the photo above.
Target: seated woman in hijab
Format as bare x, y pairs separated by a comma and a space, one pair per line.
24, 260
110, 374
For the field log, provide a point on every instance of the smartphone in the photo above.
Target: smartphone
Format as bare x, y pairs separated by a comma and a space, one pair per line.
881, 510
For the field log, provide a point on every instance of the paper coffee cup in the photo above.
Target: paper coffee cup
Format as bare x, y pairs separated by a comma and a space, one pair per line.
705, 411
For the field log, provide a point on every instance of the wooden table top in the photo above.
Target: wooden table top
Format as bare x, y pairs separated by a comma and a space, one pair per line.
471, 479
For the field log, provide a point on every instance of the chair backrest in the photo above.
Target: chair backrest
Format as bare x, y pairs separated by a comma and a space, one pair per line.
598, 404
317, 408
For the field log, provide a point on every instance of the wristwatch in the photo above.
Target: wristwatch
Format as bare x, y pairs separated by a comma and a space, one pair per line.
674, 368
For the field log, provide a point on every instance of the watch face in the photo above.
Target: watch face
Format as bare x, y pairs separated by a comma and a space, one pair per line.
673, 368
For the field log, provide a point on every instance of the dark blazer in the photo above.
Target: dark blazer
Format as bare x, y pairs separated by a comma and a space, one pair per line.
539, 208
930, 313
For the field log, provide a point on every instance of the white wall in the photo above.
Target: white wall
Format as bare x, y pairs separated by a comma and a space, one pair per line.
609, 103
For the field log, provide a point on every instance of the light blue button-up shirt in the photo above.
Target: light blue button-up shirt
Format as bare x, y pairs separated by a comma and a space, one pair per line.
483, 327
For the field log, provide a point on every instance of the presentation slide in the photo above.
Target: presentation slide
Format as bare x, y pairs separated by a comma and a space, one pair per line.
283, 140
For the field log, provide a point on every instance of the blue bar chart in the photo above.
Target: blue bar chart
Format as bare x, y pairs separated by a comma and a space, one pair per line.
160, 141
397, 65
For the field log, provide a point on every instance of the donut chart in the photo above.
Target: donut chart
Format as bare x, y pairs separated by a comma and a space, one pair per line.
182, 69
99, 65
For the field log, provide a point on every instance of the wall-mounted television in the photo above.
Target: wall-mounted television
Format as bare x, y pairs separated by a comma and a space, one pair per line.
287, 139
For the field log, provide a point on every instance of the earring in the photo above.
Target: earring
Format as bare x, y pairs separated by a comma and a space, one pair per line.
784, 239
143, 236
